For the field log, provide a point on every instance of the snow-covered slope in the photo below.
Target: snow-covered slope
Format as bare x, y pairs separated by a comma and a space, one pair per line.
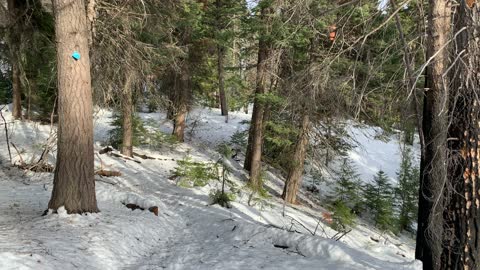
189, 233
372, 154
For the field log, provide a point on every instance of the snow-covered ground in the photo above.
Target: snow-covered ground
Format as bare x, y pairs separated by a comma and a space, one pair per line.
188, 233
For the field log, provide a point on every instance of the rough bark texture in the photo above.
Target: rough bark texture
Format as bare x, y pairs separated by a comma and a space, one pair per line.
74, 183
127, 118
462, 214
295, 173
253, 159
15, 10
435, 123
255, 138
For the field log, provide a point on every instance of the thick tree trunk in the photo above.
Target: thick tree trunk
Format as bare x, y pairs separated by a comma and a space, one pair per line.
15, 10
462, 214
295, 173
435, 124
127, 118
253, 154
74, 183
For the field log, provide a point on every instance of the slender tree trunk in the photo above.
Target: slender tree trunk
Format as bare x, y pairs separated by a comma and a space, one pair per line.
255, 141
182, 98
221, 82
253, 154
17, 92
74, 183
221, 60
15, 10
295, 173
435, 124
462, 211
127, 117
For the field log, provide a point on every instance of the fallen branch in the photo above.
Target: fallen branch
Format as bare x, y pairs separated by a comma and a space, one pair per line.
142, 156
37, 167
124, 157
344, 233
106, 173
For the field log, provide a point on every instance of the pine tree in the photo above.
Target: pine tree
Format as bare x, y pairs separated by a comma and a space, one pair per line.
407, 191
379, 201
74, 182
348, 187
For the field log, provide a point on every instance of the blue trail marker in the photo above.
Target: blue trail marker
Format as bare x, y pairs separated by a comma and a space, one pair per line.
76, 55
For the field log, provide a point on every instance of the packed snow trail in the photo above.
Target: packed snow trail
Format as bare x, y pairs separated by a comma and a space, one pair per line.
189, 233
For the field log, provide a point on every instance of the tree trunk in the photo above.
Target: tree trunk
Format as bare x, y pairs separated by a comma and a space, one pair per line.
74, 183
221, 82
253, 154
127, 117
462, 214
433, 163
15, 10
295, 173
220, 61
182, 96
17, 92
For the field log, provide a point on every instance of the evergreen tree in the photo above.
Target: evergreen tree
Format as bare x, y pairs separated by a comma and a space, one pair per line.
407, 191
348, 188
379, 201
74, 182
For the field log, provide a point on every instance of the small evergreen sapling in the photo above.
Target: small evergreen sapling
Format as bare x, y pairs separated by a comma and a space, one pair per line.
348, 189
193, 174
347, 197
379, 201
406, 193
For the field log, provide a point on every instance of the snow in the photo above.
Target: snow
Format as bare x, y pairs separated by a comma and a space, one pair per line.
372, 155
188, 233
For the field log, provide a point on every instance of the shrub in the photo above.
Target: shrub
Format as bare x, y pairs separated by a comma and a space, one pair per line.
222, 198
343, 218
192, 174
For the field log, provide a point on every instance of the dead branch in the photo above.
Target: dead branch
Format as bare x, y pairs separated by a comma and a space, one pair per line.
142, 156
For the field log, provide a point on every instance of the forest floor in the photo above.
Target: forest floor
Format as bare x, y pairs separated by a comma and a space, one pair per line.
189, 232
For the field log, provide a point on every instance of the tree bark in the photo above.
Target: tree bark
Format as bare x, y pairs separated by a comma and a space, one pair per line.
221, 82
181, 104
74, 183
462, 214
435, 125
220, 61
253, 154
15, 10
295, 173
127, 118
